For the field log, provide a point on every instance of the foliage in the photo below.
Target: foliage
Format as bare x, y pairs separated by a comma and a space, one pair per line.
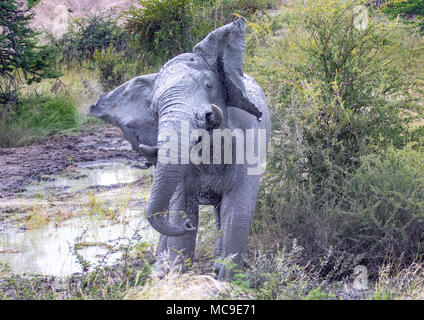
283, 276
387, 207
357, 83
90, 33
406, 9
224, 11
359, 90
163, 29
49, 112
339, 93
21, 58
38, 116
374, 213
112, 67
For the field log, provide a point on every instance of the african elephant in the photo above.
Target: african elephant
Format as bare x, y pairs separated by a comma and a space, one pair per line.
200, 93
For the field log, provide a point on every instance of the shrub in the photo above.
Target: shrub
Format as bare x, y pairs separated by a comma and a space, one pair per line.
283, 276
373, 214
339, 94
357, 90
112, 66
22, 60
163, 29
224, 11
90, 33
387, 206
166, 28
406, 9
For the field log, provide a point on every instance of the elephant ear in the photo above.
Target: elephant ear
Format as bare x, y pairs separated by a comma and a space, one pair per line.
134, 98
223, 49
129, 107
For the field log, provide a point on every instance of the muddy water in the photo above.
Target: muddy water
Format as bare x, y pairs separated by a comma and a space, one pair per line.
50, 250
95, 174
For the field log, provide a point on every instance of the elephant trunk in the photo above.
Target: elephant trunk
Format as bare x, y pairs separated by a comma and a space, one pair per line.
167, 177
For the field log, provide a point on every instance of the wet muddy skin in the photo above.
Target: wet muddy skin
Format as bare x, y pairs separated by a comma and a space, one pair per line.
21, 166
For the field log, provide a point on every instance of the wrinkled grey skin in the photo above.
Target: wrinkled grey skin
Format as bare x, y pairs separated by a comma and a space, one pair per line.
184, 89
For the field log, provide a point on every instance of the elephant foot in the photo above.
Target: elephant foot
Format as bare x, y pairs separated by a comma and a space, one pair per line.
224, 273
226, 269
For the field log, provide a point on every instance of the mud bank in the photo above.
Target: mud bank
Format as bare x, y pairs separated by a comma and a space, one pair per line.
21, 166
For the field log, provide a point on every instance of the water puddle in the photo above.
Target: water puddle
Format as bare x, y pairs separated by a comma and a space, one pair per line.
49, 250
95, 174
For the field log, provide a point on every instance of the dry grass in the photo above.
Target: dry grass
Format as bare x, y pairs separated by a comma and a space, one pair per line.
78, 81
176, 286
404, 284
37, 217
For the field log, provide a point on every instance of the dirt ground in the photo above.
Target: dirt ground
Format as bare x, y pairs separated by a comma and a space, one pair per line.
20, 166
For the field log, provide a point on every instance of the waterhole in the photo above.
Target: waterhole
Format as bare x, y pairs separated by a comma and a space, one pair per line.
58, 249
88, 175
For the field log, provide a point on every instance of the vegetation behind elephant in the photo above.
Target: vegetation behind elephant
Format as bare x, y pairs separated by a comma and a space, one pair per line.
182, 114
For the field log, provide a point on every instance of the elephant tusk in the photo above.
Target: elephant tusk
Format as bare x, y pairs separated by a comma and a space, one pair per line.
149, 151
217, 115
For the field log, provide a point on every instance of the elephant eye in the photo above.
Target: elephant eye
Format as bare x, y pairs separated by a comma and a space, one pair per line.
208, 85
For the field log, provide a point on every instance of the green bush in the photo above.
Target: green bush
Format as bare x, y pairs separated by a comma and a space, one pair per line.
113, 67
90, 33
339, 94
163, 29
22, 59
406, 9
374, 214
224, 11
357, 90
387, 207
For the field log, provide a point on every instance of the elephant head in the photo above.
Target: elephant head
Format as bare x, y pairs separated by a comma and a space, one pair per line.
129, 108
194, 88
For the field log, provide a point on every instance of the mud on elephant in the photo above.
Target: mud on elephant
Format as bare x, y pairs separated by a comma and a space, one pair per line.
195, 120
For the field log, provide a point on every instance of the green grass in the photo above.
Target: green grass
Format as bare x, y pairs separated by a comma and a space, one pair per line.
49, 113
38, 117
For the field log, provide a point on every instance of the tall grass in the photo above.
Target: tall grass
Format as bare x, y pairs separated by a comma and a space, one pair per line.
37, 117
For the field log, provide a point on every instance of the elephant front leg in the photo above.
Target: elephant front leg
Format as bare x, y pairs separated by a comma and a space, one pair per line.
161, 256
236, 213
178, 252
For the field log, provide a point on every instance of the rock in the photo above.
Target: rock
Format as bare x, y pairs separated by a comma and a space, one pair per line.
55, 15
